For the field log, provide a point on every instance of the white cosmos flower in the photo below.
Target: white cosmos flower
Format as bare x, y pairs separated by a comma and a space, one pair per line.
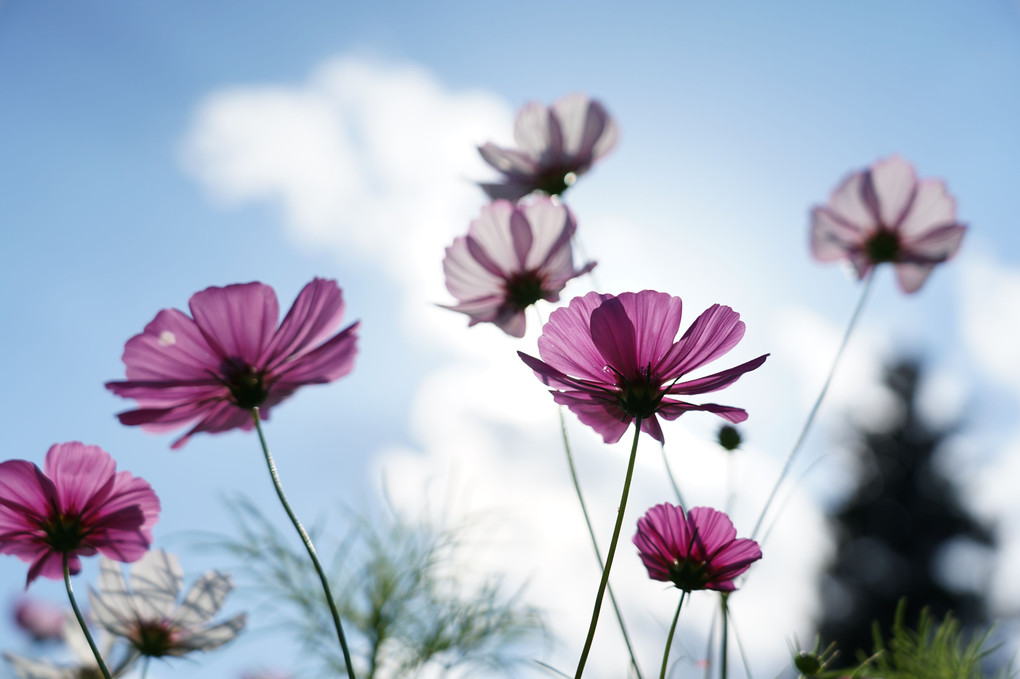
147, 615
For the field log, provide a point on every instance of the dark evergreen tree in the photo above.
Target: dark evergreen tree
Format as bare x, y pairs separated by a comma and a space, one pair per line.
891, 529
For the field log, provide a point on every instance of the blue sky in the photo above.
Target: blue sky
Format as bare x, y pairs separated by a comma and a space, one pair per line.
149, 150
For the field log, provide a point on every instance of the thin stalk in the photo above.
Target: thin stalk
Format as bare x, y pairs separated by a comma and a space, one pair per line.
740, 644
594, 541
305, 539
818, 401
672, 479
612, 551
669, 639
725, 635
81, 621
145, 666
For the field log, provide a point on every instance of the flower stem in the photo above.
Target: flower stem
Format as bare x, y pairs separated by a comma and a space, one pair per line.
305, 539
818, 402
594, 542
669, 639
611, 553
145, 666
725, 635
81, 621
672, 479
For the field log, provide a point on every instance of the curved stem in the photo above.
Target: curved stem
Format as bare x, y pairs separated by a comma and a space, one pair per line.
594, 541
145, 666
818, 402
81, 621
305, 539
669, 639
612, 551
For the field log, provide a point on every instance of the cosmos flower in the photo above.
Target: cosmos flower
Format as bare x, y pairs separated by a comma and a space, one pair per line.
512, 256
229, 356
696, 551
555, 145
84, 664
40, 619
77, 505
146, 613
885, 214
614, 359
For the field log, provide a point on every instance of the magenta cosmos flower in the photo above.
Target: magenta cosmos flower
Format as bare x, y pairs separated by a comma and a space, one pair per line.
699, 550
614, 359
512, 256
885, 214
555, 145
78, 504
40, 619
229, 356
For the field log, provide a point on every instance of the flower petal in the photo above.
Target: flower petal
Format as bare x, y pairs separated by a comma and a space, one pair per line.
603, 415
717, 330
211, 637
508, 161
329, 362
538, 134
832, 237
155, 583
204, 599
894, 184
171, 348
238, 320
315, 314
656, 316
719, 380
566, 344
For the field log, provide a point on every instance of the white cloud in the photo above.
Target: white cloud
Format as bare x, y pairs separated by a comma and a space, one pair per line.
991, 317
366, 158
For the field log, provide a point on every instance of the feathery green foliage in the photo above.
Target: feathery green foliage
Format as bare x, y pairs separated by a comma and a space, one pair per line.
408, 608
934, 650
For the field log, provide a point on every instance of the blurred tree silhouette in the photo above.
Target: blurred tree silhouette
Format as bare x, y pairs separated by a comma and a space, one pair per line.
894, 527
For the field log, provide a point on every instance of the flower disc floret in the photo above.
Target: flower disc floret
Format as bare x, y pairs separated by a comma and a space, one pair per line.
230, 356
77, 505
694, 551
615, 359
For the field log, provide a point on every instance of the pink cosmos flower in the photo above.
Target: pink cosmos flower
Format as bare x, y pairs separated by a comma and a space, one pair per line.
229, 356
613, 359
512, 256
696, 551
885, 214
40, 619
77, 505
555, 145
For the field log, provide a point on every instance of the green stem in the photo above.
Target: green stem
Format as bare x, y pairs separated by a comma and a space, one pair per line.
305, 539
818, 402
81, 621
611, 553
594, 541
669, 639
145, 666
672, 479
725, 636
